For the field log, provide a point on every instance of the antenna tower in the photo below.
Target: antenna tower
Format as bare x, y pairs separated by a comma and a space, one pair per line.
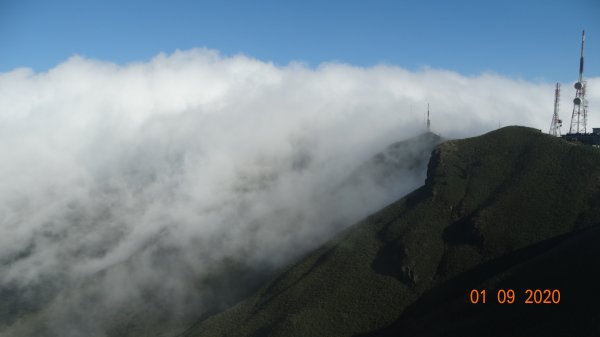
428, 121
579, 116
556, 122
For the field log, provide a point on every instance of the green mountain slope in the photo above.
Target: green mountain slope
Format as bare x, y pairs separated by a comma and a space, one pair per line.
487, 200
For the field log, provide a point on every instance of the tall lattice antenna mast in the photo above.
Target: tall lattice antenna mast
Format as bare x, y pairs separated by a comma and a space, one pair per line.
579, 116
556, 122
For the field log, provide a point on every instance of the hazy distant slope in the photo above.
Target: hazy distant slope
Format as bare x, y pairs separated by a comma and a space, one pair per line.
409, 156
485, 198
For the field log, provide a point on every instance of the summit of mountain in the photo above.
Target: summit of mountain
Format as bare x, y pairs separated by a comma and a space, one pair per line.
511, 209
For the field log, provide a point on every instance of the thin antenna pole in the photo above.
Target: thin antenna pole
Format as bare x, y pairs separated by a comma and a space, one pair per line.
428, 121
556, 122
581, 57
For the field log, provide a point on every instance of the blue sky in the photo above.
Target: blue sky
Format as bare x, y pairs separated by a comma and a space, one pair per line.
533, 40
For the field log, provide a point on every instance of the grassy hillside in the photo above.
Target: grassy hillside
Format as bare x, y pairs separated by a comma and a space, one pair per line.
485, 199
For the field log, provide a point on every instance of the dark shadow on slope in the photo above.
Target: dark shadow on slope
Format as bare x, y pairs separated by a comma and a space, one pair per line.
463, 231
568, 263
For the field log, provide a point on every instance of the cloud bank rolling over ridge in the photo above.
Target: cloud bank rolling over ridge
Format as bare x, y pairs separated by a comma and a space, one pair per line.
194, 159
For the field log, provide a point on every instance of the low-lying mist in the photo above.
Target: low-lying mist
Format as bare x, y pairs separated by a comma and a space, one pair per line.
154, 192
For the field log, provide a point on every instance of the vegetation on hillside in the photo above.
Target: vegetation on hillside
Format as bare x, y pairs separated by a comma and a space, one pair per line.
492, 211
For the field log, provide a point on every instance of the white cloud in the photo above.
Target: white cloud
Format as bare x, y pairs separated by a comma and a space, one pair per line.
214, 157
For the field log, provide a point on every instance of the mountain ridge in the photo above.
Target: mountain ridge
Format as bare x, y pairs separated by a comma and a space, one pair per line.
484, 198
